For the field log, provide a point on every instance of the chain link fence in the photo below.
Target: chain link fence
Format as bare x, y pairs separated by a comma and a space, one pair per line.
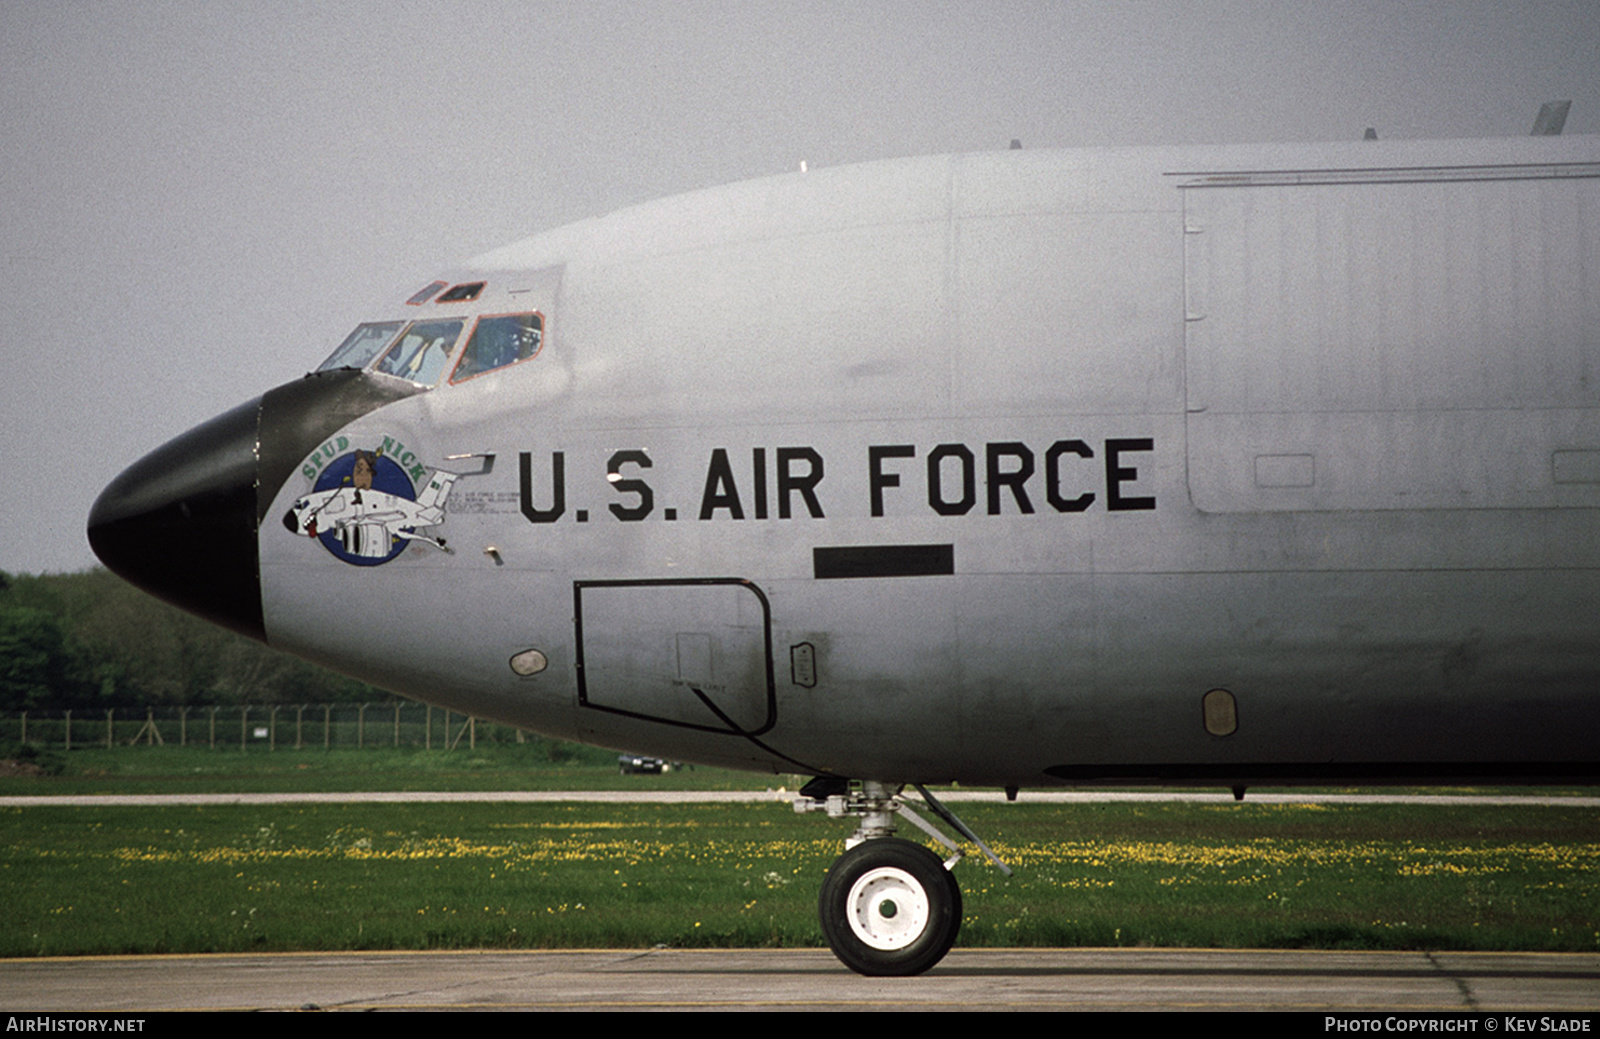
258, 727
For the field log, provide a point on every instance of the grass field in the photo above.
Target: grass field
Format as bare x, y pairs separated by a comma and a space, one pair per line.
537, 764
229, 878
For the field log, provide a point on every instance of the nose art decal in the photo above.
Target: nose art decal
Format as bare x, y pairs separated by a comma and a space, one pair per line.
365, 507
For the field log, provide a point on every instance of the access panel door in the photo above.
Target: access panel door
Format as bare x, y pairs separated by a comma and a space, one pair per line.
1386, 339
695, 653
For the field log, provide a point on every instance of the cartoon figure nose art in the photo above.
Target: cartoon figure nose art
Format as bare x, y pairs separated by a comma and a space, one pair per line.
365, 510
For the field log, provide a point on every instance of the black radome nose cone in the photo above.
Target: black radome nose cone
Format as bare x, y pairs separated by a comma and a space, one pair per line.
181, 522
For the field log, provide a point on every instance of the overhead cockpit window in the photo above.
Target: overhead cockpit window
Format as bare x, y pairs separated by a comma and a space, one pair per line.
426, 293
422, 350
462, 293
498, 341
361, 346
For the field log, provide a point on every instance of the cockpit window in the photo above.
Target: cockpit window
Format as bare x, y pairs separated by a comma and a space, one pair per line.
361, 346
426, 293
421, 352
462, 293
498, 341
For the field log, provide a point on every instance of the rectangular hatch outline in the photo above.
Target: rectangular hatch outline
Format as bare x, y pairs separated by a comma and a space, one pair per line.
766, 638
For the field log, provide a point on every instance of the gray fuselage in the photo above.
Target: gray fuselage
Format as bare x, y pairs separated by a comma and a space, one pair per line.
1218, 464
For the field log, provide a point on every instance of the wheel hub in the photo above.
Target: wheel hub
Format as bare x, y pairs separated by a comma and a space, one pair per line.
887, 908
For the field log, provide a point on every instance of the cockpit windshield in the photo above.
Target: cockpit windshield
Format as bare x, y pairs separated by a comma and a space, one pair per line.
422, 350
361, 346
498, 341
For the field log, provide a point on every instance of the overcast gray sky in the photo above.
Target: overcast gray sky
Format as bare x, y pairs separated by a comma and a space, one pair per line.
201, 198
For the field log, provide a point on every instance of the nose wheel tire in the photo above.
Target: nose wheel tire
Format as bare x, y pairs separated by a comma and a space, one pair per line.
889, 908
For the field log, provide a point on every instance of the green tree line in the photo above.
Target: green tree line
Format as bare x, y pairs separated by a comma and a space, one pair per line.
93, 640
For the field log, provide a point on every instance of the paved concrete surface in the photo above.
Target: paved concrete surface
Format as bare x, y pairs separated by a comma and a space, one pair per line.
777, 979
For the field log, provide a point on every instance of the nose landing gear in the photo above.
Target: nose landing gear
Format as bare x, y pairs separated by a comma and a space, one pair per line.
888, 907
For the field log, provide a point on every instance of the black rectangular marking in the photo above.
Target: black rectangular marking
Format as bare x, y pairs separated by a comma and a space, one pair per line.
883, 561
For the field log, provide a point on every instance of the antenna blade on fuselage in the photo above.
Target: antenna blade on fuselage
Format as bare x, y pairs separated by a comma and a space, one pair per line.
1552, 117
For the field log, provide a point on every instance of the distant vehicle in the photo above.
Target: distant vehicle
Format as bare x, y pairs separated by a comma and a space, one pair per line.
1205, 465
634, 764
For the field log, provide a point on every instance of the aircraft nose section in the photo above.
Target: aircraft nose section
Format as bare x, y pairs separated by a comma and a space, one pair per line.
181, 522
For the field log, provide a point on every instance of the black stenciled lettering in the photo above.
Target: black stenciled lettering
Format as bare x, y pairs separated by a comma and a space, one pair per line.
1016, 479
721, 492
788, 482
877, 479
969, 489
1052, 476
626, 513
758, 472
558, 488
1117, 475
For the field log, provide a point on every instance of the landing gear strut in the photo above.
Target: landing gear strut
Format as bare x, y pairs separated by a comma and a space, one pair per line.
888, 907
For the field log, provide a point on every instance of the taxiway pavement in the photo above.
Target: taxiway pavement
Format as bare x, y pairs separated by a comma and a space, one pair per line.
810, 979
